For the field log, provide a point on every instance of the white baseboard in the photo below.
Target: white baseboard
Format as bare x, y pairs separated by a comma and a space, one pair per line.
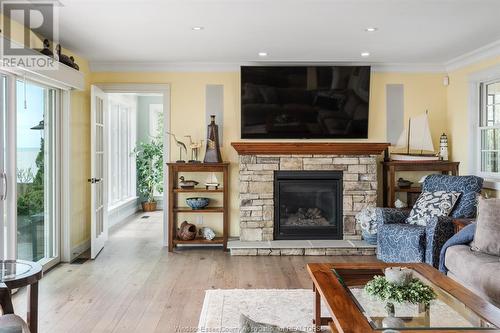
79, 249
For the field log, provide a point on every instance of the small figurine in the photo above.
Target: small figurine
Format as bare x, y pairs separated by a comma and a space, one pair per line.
403, 183
62, 57
74, 64
46, 49
194, 146
212, 181
207, 233
187, 184
443, 147
181, 146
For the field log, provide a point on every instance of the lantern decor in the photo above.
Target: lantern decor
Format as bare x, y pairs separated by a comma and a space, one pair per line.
212, 154
443, 147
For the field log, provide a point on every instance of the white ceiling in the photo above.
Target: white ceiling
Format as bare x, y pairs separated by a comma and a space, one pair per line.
159, 31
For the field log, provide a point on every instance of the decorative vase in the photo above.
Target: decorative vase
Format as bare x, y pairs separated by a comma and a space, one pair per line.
369, 238
187, 231
212, 154
148, 206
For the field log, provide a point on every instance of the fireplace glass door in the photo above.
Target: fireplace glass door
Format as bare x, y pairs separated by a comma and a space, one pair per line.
308, 205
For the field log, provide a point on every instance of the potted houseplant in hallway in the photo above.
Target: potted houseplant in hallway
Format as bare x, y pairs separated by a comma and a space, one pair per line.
149, 161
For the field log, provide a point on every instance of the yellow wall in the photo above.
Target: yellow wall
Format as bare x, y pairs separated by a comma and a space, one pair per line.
187, 114
458, 110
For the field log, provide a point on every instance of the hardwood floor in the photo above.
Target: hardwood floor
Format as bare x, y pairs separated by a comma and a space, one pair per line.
135, 285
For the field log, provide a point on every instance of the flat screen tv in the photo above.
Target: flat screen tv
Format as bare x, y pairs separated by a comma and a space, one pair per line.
304, 102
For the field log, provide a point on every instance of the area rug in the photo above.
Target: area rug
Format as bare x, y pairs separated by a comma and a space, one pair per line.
289, 308
293, 308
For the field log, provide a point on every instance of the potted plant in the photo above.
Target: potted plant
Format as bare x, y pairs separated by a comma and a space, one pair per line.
149, 161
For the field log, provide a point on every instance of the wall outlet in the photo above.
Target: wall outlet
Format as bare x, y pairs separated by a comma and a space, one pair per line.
199, 220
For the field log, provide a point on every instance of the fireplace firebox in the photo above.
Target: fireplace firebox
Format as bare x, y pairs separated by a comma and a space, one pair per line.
308, 205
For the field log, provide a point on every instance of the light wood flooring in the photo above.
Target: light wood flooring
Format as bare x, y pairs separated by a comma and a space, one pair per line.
135, 285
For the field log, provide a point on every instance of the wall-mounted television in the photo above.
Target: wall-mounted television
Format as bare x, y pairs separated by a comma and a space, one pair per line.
304, 102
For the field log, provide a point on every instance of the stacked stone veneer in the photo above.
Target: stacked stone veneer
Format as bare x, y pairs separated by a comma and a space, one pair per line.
256, 175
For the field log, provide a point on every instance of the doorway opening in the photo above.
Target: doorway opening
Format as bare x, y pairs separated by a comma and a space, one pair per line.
135, 155
132, 176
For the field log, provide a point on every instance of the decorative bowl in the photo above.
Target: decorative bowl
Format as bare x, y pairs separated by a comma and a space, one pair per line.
197, 203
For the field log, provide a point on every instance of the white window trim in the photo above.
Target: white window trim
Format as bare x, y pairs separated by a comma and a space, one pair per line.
492, 181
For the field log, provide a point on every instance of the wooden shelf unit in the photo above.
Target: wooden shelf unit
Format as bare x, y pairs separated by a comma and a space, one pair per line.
389, 176
173, 203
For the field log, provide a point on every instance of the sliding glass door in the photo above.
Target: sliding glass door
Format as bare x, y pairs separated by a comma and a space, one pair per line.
29, 211
3, 176
35, 171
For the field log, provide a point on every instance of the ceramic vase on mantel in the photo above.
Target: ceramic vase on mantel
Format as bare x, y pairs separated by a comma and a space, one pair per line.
212, 155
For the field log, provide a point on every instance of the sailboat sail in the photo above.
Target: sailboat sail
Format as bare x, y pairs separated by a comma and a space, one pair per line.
420, 135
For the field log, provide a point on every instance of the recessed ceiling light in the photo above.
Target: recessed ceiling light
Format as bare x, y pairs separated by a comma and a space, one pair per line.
371, 29
197, 28
262, 54
365, 54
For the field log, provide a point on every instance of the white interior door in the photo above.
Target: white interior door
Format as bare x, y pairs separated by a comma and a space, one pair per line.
98, 181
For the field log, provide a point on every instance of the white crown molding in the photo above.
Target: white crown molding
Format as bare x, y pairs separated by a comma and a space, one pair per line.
488, 51
235, 67
163, 67
408, 67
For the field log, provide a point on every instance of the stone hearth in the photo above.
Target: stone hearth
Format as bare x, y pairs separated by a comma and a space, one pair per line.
256, 176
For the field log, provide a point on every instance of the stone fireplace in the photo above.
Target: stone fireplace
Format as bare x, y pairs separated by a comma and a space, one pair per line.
308, 205
259, 162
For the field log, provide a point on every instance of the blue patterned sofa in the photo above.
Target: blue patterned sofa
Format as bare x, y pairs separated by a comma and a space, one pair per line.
401, 242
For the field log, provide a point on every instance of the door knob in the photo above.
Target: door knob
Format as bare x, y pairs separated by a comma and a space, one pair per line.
94, 180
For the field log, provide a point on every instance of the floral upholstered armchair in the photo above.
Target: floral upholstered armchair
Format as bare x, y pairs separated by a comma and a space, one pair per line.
399, 241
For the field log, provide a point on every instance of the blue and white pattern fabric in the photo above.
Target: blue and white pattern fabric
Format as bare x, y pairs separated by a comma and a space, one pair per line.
469, 186
432, 204
402, 242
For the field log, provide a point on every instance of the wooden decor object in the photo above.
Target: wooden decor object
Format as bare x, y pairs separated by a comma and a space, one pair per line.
174, 169
317, 148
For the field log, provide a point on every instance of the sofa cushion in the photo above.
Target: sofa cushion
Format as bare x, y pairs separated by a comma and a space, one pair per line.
477, 271
487, 236
432, 204
401, 242
469, 186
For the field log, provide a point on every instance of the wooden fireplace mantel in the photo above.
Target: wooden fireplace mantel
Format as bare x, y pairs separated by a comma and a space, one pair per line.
317, 148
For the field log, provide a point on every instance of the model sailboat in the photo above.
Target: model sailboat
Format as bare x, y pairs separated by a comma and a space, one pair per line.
416, 137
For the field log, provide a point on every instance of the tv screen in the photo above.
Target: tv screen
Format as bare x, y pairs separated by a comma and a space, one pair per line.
304, 102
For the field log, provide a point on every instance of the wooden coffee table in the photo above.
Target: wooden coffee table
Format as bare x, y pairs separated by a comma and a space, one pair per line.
339, 288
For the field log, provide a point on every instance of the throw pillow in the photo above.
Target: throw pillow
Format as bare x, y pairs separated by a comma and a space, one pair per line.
432, 204
487, 236
247, 325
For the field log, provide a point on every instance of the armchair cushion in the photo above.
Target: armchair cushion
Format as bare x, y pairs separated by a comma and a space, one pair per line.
432, 204
401, 242
469, 186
